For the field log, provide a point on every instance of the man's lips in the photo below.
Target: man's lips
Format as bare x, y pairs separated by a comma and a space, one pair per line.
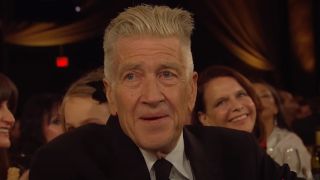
152, 117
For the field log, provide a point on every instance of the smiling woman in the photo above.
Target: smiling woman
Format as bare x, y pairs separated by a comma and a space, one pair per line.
226, 99
8, 103
8, 100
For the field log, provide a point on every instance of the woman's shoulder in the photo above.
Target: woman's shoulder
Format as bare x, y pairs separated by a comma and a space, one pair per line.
288, 139
288, 136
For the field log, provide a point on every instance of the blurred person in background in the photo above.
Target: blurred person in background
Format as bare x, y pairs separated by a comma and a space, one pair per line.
290, 105
39, 124
308, 120
85, 101
283, 145
8, 105
305, 109
301, 115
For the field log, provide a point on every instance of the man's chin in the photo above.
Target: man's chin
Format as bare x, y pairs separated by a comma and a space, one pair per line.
156, 145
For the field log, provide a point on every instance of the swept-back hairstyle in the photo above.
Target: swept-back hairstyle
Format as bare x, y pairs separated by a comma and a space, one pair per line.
156, 21
213, 72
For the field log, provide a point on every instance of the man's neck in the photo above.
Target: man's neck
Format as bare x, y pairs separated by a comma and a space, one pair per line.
152, 156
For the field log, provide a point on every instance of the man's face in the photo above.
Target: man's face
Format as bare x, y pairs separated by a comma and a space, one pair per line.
150, 91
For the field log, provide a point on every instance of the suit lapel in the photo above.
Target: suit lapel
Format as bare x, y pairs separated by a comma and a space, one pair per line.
202, 167
128, 162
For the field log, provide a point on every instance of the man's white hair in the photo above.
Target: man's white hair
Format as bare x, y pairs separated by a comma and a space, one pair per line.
159, 21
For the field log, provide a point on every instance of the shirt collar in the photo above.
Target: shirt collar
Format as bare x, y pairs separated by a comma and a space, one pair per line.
176, 157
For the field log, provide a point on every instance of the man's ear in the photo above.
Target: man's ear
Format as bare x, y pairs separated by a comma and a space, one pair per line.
203, 118
110, 97
193, 91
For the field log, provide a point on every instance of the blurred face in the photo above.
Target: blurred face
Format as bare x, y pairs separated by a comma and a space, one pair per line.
269, 107
289, 103
228, 105
53, 126
83, 110
6, 123
151, 92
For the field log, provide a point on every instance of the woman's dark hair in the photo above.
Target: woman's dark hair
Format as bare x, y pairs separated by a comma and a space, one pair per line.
31, 124
213, 72
8, 92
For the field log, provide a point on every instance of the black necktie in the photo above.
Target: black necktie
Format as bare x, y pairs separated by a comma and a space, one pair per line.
162, 168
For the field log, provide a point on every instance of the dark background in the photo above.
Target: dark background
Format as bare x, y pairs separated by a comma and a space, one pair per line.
33, 68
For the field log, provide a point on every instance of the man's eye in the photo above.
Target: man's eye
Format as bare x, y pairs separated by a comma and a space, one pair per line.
167, 74
130, 76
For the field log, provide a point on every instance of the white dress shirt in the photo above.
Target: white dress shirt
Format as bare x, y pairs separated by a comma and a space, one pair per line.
181, 168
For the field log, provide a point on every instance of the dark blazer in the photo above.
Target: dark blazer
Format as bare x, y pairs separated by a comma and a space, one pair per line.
97, 152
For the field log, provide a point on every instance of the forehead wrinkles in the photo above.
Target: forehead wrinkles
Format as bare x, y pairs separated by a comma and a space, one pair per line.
132, 47
139, 50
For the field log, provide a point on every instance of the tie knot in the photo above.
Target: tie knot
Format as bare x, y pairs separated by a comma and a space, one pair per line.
162, 168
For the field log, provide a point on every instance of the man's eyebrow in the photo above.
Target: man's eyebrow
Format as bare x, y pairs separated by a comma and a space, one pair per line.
171, 65
126, 67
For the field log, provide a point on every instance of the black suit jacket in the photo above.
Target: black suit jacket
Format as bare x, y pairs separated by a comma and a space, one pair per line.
104, 152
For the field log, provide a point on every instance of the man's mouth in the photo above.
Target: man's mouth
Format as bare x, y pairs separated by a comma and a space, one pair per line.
152, 117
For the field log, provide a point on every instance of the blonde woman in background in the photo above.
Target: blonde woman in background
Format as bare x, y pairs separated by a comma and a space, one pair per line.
85, 101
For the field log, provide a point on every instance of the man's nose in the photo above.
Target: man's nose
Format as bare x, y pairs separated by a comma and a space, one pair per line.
152, 94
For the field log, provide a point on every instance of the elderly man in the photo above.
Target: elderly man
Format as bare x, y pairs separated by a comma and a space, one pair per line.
151, 88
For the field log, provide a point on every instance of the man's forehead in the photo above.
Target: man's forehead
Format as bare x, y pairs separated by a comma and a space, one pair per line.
136, 64
146, 45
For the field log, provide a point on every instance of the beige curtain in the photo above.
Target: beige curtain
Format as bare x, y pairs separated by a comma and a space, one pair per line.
300, 20
241, 32
51, 34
